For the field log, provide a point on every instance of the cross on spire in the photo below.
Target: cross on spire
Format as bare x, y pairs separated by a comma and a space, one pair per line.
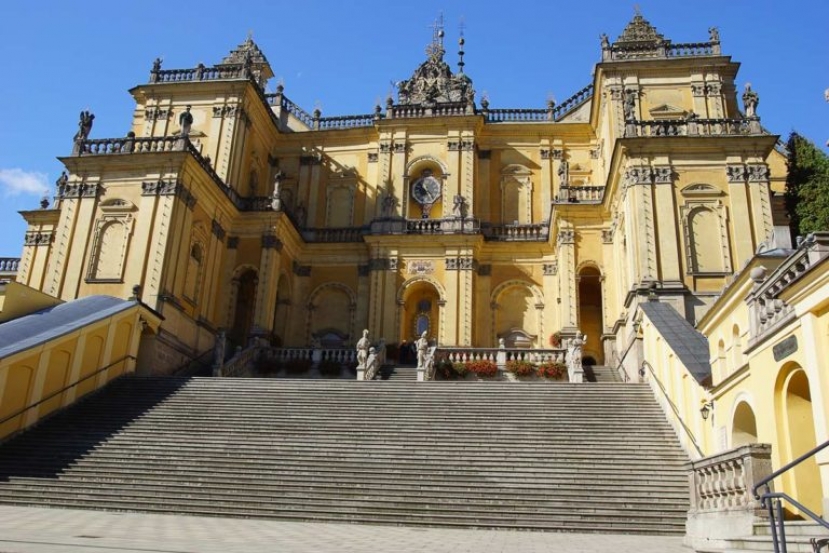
437, 30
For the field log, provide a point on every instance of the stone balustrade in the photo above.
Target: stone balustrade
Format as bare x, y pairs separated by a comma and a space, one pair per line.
691, 49
500, 356
767, 310
199, 73
9, 264
581, 194
130, 145
241, 362
692, 127
723, 505
347, 121
573, 102
344, 234
502, 115
662, 49
530, 232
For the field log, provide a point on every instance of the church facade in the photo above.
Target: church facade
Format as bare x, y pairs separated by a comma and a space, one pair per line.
227, 207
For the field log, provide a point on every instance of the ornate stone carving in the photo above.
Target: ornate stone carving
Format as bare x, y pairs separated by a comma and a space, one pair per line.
385, 147
420, 267
383, 264
758, 172
217, 229
269, 241
607, 236
373, 157
750, 100
453, 146
79, 190
232, 242
698, 90
399, 147
557, 154
550, 269
159, 188
187, 197
638, 174
301, 270
227, 111
713, 89
463, 263
567, 236
433, 81
545, 153
467, 145
639, 30
485, 270
38, 238
156, 113
736, 173
662, 174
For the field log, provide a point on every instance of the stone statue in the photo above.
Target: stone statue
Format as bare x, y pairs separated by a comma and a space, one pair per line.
713, 34
371, 364
605, 41
389, 204
459, 206
363, 346
156, 65
276, 197
84, 126
422, 345
750, 101
574, 349
630, 105
60, 184
186, 121
564, 172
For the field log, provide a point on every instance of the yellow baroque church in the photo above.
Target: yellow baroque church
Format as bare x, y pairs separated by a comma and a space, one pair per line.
644, 211
231, 208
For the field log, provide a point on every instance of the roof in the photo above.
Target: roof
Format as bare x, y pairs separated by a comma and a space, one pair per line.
50, 323
689, 345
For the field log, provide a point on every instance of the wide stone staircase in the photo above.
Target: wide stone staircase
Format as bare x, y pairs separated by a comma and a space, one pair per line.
553, 456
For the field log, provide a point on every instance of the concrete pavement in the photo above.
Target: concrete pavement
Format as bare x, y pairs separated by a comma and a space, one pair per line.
41, 530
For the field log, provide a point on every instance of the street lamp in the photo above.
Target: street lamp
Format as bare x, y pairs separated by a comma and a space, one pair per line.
706, 408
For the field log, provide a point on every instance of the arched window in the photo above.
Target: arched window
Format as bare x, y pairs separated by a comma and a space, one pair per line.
706, 238
110, 250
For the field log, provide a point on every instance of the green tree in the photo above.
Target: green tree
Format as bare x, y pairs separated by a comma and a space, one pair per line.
807, 186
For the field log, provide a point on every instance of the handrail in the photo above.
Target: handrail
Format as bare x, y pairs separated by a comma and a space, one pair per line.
674, 408
765, 481
65, 388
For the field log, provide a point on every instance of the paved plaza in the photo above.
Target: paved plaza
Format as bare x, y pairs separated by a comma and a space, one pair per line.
37, 530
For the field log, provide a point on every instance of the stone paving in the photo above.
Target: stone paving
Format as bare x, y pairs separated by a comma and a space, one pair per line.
40, 530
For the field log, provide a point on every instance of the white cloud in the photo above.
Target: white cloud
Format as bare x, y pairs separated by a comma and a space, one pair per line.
18, 181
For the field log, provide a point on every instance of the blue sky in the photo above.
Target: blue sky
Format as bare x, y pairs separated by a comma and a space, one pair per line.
60, 58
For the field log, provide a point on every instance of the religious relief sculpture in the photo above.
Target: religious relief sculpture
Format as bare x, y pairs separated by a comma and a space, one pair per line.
363, 346
750, 101
186, 121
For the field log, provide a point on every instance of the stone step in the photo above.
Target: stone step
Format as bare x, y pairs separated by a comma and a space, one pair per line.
575, 523
492, 454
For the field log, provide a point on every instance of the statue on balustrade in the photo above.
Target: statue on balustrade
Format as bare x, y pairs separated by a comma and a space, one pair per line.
276, 198
750, 101
363, 346
630, 105
186, 121
422, 350
459, 206
84, 126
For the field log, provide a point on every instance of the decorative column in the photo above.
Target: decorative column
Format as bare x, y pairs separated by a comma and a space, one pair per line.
398, 171
389, 297
700, 101
449, 323
483, 315
76, 231
266, 292
482, 196
738, 197
466, 281
566, 254
315, 190
467, 184
159, 235
363, 299
546, 179
212, 276
373, 187
299, 331
760, 198
640, 221
552, 295
666, 225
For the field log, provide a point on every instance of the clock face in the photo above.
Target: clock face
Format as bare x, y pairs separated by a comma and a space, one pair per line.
426, 190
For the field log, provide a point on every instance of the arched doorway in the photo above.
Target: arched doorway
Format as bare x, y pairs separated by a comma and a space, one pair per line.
590, 313
245, 285
796, 436
421, 311
744, 426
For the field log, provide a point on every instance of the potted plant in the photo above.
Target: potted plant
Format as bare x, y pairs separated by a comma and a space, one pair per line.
521, 368
555, 339
552, 370
482, 369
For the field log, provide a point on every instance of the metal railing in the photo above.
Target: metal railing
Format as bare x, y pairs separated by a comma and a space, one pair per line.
673, 408
64, 389
773, 502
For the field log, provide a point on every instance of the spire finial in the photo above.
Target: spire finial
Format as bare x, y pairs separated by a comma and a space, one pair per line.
637, 10
435, 49
461, 42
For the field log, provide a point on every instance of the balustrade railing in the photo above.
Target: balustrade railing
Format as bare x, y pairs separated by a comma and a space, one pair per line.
664, 49
573, 102
502, 115
343, 234
580, 194
689, 49
766, 308
9, 264
722, 488
131, 144
199, 73
691, 127
527, 232
501, 356
347, 121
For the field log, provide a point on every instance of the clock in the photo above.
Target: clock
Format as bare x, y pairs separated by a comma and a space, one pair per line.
426, 190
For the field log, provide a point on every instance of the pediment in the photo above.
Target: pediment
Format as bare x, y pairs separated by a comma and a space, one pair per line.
667, 111
701, 189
